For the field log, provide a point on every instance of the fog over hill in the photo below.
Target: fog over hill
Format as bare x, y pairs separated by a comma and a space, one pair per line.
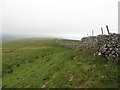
11, 37
70, 19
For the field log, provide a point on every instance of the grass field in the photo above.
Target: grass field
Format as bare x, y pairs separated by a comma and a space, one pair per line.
41, 64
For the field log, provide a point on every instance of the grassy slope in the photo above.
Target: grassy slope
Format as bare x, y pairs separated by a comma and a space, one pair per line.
38, 63
0, 64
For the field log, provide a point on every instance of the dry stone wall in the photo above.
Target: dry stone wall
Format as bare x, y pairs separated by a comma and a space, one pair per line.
106, 45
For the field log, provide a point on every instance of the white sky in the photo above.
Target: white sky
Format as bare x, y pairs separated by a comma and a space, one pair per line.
61, 18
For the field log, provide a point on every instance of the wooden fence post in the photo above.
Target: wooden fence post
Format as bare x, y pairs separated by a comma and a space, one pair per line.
107, 29
102, 30
92, 33
87, 35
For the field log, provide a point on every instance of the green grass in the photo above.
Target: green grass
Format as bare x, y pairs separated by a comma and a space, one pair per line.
39, 63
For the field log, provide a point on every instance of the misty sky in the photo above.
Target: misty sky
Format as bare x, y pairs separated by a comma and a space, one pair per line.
59, 18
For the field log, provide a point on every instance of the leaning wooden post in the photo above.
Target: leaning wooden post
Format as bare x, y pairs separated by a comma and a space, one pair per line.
102, 30
107, 29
